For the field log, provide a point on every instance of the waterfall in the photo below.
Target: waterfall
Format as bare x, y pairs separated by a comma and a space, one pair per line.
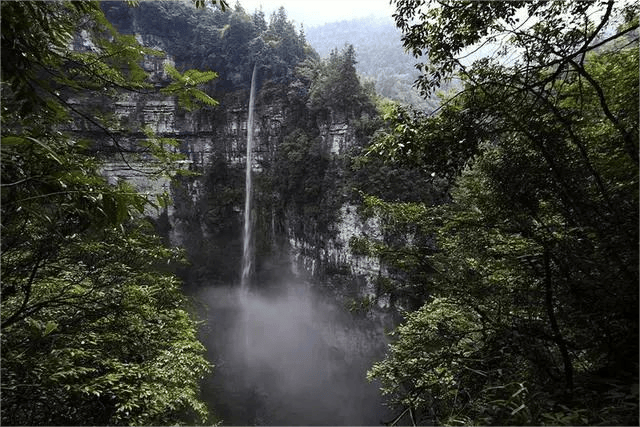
247, 235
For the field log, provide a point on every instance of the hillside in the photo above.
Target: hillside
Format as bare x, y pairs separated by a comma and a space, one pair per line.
379, 52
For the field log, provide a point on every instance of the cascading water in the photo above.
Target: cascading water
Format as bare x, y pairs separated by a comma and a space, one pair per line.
285, 354
247, 237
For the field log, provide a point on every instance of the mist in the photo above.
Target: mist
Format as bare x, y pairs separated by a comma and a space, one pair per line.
290, 357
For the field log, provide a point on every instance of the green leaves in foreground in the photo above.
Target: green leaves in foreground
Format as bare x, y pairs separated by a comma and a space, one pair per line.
185, 86
96, 334
95, 329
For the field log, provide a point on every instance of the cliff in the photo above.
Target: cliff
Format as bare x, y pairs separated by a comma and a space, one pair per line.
311, 118
306, 133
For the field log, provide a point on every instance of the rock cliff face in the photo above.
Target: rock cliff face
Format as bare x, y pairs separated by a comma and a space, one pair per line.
204, 212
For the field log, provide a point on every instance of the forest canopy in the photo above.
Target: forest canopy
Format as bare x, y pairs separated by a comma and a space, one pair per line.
531, 314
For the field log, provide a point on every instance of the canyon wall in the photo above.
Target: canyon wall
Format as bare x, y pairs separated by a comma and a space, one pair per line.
203, 212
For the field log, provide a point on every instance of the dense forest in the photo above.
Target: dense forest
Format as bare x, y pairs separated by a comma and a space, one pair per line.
509, 212
532, 308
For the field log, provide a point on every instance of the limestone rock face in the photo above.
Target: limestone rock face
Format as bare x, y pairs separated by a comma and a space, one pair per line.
204, 212
219, 135
336, 255
211, 136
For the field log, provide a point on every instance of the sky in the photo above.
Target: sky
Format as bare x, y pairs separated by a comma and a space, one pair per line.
312, 13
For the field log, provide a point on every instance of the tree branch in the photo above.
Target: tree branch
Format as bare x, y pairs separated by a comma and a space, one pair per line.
562, 345
18, 315
626, 136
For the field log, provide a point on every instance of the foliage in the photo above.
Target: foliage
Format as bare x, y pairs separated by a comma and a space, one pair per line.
374, 174
222, 193
336, 85
100, 334
385, 63
309, 180
230, 40
405, 248
94, 327
186, 87
303, 179
415, 141
546, 34
359, 246
283, 46
522, 325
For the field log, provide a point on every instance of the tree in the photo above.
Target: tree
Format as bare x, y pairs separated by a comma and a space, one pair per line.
283, 47
94, 326
302, 179
522, 324
336, 86
259, 21
101, 335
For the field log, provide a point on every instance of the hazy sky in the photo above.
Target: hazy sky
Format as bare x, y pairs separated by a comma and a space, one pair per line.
312, 13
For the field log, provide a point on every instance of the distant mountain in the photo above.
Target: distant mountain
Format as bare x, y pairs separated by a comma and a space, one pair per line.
380, 55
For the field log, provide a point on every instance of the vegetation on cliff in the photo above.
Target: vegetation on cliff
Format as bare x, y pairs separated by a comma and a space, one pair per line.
95, 329
229, 42
301, 179
232, 42
384, 62
531, 315
308, 178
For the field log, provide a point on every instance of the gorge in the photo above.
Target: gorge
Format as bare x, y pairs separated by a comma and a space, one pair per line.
305, 190
284, 325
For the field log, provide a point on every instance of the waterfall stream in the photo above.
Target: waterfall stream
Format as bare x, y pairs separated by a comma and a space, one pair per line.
286, 354
247, 235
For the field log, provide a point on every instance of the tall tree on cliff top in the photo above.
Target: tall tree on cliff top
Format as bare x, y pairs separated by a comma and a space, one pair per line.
335, 85
95, 329
533, 310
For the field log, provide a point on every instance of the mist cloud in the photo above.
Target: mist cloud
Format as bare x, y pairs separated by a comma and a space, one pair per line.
290, 358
